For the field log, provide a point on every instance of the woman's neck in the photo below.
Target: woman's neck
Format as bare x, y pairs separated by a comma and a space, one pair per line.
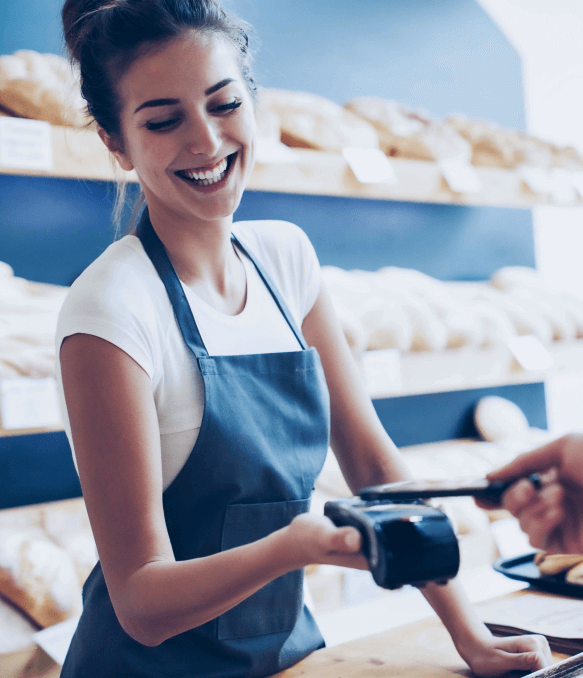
204, 258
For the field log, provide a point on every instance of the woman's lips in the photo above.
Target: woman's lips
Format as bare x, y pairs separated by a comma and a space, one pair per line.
208, 177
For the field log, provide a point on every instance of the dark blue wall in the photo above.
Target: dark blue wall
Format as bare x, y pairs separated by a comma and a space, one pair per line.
446, 56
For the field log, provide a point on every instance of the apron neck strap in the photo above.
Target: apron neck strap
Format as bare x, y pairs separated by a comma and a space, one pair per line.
155, 250
274, 292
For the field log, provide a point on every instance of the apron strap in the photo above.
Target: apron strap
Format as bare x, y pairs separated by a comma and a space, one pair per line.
274, 293
154, 248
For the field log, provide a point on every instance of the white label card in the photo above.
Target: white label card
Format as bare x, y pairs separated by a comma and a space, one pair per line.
26, 144
370, 165
563, 188
29, 403
461, 177
537, 179
530, 353
382, 372
55, 640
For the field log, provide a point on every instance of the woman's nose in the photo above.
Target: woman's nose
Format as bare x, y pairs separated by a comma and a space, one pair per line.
205, 139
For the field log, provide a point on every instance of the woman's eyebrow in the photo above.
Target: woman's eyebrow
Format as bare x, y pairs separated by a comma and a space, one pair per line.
157, 102
218, 86
172, 102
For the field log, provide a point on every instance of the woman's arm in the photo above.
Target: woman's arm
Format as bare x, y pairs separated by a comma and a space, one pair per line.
117, 445
367, 456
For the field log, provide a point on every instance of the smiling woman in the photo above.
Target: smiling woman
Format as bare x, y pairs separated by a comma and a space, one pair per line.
202, 373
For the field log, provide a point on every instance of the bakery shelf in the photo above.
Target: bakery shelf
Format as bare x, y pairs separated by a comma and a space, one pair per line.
464, 369
451, 370
80, 154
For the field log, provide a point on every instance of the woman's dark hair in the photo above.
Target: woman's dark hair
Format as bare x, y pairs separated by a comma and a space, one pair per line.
106, 36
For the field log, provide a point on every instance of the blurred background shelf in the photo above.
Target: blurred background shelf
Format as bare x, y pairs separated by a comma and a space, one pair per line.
80, 154
462, 369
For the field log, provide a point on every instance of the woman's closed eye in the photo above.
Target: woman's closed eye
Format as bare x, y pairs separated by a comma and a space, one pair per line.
170, 123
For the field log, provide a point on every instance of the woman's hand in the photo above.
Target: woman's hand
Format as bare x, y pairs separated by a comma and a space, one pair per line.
491, 656
553, 516
313, 538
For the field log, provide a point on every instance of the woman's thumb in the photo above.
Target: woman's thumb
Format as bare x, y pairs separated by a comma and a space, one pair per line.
347, 540
527, 661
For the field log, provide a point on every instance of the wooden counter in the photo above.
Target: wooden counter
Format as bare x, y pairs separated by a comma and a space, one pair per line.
420, 650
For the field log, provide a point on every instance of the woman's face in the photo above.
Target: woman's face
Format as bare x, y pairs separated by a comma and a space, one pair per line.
188, 126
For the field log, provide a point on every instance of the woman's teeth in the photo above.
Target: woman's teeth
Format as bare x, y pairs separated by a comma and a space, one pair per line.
207, 177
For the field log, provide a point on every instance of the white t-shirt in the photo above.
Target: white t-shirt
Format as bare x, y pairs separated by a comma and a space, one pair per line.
121, 298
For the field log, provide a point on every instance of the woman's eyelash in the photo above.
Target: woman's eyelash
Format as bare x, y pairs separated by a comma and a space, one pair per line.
230, 106
153, 126
166, 124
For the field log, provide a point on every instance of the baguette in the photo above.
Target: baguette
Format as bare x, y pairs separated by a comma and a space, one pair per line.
311, 121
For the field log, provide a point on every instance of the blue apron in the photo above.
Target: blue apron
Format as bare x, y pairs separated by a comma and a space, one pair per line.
262, 442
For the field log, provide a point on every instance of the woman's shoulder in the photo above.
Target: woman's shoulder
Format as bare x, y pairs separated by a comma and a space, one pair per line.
274, 240
120, 280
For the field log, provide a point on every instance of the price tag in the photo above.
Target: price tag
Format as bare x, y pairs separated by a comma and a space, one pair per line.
370, 165
26, 144
382, 371
563, 189
55, 640
461, 177
29, 403
537, 179
530, 353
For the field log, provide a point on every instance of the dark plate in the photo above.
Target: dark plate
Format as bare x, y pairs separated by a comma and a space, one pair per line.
524, 569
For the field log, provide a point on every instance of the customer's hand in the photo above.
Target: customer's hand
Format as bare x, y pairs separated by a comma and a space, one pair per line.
552, 516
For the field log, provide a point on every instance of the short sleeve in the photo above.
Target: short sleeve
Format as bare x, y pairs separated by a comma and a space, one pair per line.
310, 274
112, 300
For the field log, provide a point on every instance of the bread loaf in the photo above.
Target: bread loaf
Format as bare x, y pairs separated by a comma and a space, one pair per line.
41, 87
311, 121
491, 146
550, 564
407, 133
575, 574
38, 576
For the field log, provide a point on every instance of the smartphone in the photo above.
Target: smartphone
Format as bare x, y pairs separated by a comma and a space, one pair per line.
427, 489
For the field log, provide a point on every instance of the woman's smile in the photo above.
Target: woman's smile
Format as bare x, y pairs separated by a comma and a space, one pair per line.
210, 178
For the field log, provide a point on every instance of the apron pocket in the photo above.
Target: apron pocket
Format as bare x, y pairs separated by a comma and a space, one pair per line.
275, 607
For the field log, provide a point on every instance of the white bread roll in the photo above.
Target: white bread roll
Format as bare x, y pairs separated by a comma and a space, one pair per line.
42, 87
497, 419
38, 576
563, 326
555, 563
311, 121
387, 324
526, 317
491, 145
408, 133
575, 575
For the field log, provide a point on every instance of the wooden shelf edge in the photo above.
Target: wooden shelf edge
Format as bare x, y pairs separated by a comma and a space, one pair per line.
476, 369
80, 154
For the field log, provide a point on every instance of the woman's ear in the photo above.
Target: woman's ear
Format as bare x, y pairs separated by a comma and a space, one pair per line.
115, 148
